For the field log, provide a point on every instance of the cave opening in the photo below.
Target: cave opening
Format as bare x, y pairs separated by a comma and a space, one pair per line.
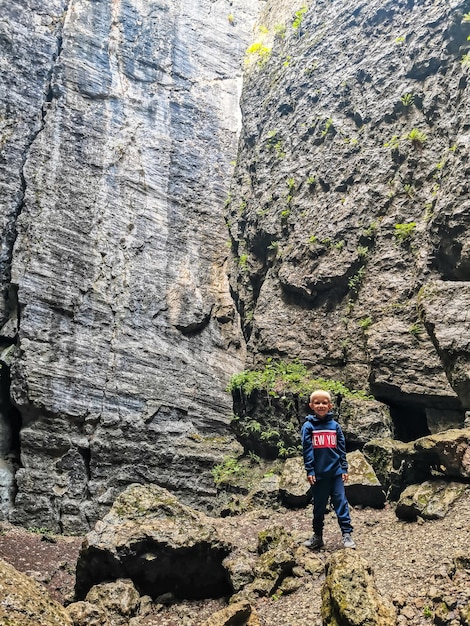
409, 422
10, 427
187, 572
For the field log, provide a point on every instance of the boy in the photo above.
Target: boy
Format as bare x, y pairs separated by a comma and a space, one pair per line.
324, 451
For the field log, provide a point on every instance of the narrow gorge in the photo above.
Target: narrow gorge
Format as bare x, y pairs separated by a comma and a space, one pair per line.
208, 209
190, 191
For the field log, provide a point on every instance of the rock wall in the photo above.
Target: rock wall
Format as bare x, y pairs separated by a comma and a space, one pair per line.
119, 130
348, 219
350, 208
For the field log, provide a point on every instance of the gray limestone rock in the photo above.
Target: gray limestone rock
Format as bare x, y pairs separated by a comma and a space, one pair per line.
240, 613
439, 305
350, 197
350, 596
398, 465
118, 126
440, 419
86, 614
120, 600
363, 420
429, 500
294, 489
447, 453
363, 487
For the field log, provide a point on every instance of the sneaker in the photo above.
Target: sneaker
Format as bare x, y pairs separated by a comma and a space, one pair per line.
348, 541
316, 541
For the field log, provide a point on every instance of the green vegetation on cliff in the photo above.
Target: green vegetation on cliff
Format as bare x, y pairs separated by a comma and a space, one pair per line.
278, 378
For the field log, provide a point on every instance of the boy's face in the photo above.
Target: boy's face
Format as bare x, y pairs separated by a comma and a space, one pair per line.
321, 405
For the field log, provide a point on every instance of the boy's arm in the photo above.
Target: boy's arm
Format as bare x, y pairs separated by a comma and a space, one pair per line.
307, 450
341, 447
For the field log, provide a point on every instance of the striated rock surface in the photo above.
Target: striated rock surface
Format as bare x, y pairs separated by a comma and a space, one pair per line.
118, 125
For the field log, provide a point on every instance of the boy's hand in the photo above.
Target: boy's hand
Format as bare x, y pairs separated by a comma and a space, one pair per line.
345, 477
312, 479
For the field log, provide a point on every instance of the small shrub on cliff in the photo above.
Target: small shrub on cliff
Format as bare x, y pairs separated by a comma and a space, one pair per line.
365, 322
259, 50
416, 136
407, 99
417, 329
405, 232
355, 281
299, 16
328, 126
274, 143
393, 143
291, 183
280, 30
243, 262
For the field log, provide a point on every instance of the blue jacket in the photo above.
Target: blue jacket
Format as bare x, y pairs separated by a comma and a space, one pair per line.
324, 447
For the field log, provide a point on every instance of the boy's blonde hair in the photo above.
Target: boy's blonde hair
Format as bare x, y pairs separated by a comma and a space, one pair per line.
320, 392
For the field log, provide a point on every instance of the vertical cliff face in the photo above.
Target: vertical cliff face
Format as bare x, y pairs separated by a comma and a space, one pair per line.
350, 209
119, 126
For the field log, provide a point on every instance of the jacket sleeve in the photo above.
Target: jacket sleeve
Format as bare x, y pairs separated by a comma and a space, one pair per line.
307, 449
341, 447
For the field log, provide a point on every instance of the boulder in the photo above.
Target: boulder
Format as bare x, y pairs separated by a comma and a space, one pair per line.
158, 543
280, 562
363, 487
236, 614
24, 602
429, 500
84, 613
265, 493
447, 452
120, 600
293, 487
439, 420
389, 457
350, 596
363, 420
446, 319
399, 465
276, 561
240, 565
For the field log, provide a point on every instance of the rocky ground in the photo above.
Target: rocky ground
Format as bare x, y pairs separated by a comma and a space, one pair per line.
413, 564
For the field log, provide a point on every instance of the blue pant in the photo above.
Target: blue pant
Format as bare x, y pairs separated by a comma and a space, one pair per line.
322, 490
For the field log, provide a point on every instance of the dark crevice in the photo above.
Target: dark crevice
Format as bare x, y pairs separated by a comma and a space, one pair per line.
11, 232
10, 445
10, 418
409, 422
